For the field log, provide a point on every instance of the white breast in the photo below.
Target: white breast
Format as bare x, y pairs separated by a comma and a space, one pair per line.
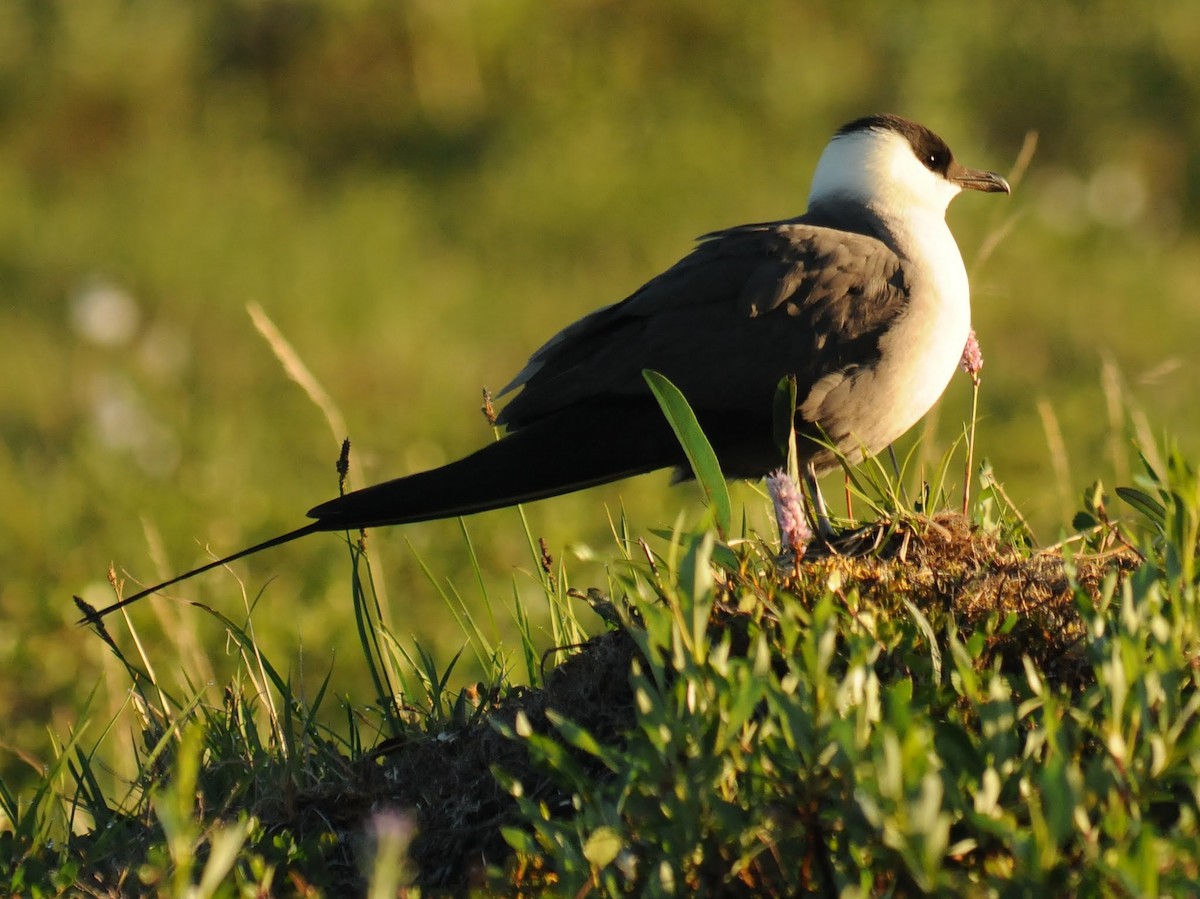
920, 354
878, 403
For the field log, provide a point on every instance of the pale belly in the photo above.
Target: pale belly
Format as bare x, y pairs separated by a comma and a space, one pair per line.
870, 407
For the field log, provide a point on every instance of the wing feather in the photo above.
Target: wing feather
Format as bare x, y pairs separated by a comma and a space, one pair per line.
745, 308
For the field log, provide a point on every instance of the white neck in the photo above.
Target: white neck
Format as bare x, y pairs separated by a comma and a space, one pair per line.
879, 170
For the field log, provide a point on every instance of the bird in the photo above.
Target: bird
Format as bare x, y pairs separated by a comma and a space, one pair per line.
863, 300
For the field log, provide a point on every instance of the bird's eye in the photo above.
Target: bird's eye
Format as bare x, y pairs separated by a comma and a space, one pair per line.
936, 160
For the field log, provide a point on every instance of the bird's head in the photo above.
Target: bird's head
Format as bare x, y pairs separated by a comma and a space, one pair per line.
892, 164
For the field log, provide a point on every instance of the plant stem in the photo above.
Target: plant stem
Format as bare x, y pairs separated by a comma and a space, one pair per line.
970, 445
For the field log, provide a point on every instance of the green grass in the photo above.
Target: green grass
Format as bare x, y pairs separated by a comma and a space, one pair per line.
417, 200
950, 710
416, 231
774, 724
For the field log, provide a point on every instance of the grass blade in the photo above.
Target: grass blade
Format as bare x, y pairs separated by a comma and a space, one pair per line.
695, 445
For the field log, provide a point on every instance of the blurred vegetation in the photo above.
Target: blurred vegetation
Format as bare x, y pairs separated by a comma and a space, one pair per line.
419, 193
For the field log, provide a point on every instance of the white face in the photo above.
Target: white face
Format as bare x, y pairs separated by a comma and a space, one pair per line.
879, 168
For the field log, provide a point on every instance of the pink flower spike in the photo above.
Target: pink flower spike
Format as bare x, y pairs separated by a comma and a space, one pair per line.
972, 357
794, 532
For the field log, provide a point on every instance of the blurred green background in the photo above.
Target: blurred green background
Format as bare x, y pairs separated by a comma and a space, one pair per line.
418, 193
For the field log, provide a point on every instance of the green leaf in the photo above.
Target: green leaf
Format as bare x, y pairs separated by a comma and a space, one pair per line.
582, 739
226, 844
520, 840
935, 653
1144, 503
602, 846
695, 445
785, 424
696, 590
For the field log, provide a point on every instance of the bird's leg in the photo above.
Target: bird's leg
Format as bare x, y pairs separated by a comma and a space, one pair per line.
824, 528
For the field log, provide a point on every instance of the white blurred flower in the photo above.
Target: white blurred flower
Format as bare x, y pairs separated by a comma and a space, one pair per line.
104, 313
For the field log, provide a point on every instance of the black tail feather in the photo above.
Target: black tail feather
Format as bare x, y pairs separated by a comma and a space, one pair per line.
95, 615
568, 451
576, 448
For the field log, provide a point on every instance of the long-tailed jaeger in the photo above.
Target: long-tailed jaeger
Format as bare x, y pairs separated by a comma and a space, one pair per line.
864, 299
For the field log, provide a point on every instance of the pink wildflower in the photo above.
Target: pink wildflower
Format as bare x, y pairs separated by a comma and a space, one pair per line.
794, 532
972, 357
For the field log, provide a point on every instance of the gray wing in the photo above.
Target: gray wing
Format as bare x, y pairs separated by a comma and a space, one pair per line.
747, 307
